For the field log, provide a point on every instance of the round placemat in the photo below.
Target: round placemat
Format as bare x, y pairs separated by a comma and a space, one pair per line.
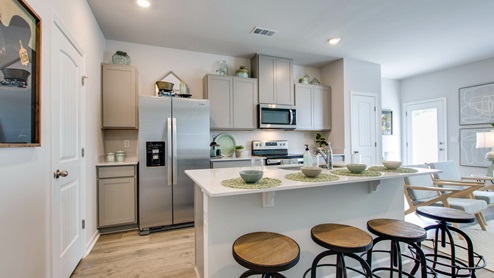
239, 183
365, 173
299, 176
399, 170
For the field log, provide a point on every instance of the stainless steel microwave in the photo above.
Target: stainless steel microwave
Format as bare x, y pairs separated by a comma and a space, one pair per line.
277, 116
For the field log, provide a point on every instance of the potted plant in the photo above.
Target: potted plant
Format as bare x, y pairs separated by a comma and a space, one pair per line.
239, 150
321, 141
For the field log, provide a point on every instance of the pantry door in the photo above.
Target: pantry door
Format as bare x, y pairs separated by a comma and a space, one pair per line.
67, 157
364, 126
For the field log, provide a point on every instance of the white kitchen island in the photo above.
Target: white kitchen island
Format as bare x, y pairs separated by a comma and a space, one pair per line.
223, 214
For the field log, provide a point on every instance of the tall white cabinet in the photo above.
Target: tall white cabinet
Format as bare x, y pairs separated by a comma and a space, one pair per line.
313, 107
119, 97
275, 79
233, 101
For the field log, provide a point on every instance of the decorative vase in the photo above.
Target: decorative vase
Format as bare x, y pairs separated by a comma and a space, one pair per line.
242, 72
120, 57
223, 70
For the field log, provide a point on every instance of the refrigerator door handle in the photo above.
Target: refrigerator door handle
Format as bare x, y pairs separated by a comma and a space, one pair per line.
169, 144
175, 166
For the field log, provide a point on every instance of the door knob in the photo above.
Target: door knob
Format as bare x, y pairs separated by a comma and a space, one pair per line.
59, 174
441, 149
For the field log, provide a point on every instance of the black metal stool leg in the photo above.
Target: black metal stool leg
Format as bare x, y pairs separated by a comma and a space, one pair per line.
315, 262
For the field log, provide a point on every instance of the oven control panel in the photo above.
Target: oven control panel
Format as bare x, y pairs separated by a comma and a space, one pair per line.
270, 145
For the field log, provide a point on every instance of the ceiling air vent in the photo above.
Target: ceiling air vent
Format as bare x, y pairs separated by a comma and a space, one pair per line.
263, 31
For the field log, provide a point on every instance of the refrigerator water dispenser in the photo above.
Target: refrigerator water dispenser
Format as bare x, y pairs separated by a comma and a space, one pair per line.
155, 154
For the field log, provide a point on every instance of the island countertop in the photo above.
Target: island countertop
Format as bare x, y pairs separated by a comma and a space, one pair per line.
210, 179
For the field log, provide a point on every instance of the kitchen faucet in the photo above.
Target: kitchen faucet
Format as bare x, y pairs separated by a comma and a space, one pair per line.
327, 157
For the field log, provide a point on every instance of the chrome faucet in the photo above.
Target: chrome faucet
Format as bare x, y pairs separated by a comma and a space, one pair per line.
327, 157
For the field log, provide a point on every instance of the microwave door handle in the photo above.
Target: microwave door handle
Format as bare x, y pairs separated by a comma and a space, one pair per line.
291, 117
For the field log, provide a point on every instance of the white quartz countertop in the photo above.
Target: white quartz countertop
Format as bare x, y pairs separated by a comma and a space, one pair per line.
210, 180
131, 160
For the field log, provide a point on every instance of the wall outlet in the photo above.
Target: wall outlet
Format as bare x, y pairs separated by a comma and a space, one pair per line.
126, 143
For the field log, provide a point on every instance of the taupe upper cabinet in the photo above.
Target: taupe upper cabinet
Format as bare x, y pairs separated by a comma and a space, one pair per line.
313, 107
119, 97
275, 79
233, 101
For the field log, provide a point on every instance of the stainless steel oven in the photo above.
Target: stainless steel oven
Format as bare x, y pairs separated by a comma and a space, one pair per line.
275, 152
277, 116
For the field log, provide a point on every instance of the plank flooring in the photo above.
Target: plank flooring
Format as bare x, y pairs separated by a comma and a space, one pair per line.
161, 255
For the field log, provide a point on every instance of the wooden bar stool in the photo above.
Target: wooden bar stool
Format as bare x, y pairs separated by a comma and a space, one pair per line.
398, 231
448, 264
342, 241
265, 253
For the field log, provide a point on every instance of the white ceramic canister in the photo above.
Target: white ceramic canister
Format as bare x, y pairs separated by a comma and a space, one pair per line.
120, 156
110, 157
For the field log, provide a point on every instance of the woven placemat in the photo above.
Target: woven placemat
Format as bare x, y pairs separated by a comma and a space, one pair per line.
399, 170
239, 183
299, 176
365, 173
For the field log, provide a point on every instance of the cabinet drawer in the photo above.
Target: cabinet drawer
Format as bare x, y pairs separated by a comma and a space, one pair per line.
116, 171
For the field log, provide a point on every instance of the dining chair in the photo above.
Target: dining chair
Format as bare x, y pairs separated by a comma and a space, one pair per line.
450, 172
422, 190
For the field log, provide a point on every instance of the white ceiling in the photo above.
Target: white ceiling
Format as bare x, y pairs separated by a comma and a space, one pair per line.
406, 37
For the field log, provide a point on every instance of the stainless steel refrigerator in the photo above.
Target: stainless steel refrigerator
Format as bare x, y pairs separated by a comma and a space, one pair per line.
173, 137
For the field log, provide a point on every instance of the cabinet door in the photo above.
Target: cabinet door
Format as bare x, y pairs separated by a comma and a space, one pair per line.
283, 74
119, 101
304, 101
267, 79
219, 92
230, 164
322, 108
244, 103
116, 201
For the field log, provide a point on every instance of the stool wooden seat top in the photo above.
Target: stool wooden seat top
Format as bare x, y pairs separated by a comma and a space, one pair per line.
397, 230
341, 238
445, 214
266, 251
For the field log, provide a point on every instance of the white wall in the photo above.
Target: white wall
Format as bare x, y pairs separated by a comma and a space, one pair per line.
26, 175
391, 144
446, 83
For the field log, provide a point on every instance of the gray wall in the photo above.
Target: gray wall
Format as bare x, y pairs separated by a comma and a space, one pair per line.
446, 83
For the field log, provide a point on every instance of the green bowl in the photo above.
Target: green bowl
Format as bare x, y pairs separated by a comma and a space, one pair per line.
251, 176
356, 168
311, 171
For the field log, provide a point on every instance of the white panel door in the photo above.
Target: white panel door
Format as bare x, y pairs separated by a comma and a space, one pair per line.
66, 154
363, 127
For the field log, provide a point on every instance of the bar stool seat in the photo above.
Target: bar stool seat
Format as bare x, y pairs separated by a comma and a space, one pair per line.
265, 253
341, 240
398, 231
448, 264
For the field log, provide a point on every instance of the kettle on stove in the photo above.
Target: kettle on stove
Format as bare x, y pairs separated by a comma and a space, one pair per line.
215, 150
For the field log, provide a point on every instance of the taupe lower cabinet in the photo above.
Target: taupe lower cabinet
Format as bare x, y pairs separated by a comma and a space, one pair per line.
313, 107
230, 164
119, 97
117, 195
233, 101
275, 79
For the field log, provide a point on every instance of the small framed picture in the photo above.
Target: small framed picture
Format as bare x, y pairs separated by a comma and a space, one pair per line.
387, 122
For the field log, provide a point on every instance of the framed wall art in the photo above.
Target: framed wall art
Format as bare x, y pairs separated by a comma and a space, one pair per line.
387, 122
20, 50
469, 154
476, 104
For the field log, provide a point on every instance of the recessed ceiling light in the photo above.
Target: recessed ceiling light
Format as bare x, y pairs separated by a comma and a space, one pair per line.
143, 3
334, 40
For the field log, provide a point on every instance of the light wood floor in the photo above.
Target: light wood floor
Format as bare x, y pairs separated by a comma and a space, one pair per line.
163, 254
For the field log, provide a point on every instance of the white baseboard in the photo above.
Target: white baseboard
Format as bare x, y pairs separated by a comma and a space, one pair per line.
91, 243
